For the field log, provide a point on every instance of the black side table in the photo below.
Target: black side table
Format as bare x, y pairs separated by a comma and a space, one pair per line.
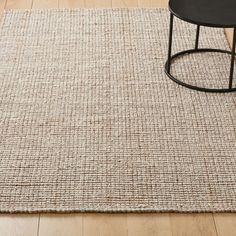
211, 13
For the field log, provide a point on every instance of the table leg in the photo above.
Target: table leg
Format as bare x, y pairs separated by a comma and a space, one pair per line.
232, 60
197, 37
170, 41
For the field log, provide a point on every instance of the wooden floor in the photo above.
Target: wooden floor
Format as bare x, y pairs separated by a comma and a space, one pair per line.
165, 224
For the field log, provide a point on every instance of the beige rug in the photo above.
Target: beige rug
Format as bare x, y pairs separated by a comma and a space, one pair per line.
90, 122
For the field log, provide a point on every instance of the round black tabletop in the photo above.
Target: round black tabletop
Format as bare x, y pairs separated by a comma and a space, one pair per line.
213, 13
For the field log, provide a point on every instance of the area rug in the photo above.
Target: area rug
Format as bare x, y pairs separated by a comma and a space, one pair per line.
89, 121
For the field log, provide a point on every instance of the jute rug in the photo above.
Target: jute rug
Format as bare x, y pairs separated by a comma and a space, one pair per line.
90, 122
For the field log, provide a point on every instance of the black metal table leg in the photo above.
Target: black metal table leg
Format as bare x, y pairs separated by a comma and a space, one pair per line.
199, 50
219, 14
232, 61
197, 37
170, 42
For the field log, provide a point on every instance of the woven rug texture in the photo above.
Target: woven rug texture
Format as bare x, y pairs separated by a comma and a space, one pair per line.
90, 122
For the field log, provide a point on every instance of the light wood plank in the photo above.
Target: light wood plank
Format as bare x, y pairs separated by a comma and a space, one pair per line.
153, 3
71, 3
124, 3
60, 225
19, 4
19, 224
105, 225
149, 225
229, 36
47, 4
193, 224
2, 6
97, 4
225, 224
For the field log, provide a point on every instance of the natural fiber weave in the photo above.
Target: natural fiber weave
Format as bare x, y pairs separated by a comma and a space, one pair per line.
90, 122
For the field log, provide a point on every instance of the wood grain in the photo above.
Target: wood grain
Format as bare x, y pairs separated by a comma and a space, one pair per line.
19, 4
45, 4
105, 224
229, 35
124, 3
149, 224
19, 224
97, 4
60, 225
71, 3
152, 3
193, 224
225, 224
2, 5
